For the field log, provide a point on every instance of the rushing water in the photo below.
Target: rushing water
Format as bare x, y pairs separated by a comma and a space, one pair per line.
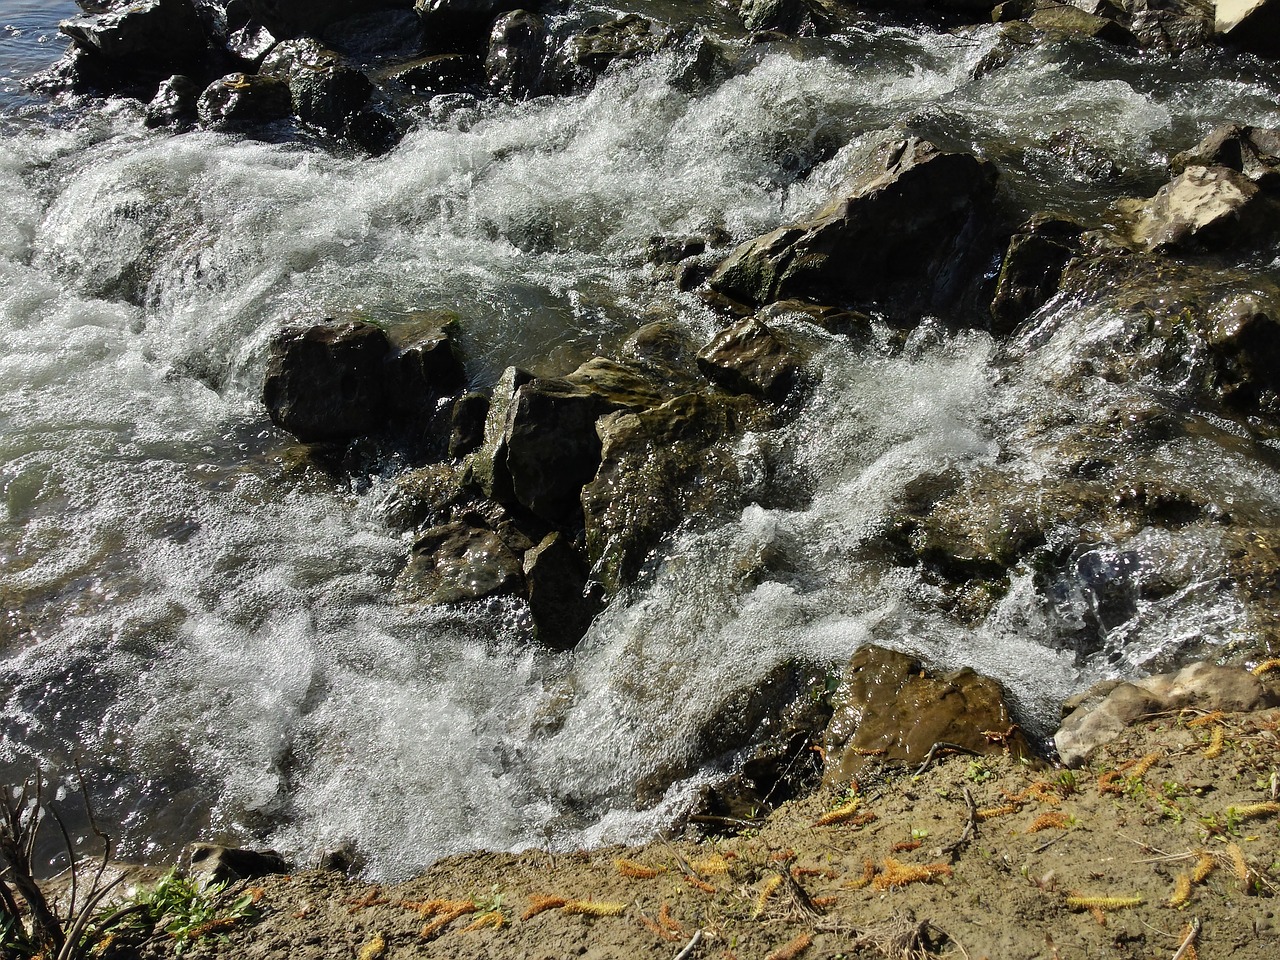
210, 630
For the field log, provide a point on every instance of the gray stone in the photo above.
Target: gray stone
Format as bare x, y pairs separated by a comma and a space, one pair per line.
1202, 686
219, 864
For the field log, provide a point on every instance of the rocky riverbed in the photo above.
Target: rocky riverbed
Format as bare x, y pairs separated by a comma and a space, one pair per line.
889, 362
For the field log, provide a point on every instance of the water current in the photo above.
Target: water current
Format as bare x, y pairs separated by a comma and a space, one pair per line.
210, 631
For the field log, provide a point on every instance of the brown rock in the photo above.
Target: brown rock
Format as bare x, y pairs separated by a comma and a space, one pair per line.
888, 708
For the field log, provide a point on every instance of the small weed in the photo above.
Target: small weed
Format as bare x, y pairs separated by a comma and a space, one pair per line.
179, 908
979, 771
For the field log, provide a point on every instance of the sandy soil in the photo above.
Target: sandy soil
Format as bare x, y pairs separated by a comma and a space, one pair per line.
1175, 829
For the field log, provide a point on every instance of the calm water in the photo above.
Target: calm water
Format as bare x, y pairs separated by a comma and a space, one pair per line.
211, 633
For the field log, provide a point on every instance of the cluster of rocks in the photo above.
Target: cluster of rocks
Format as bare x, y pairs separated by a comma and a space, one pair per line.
342, 68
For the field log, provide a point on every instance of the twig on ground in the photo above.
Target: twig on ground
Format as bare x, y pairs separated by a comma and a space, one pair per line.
970, 827
689, 947
1190, 939
939, 746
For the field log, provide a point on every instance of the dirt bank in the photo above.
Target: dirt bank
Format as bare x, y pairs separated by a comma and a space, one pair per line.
1173, 829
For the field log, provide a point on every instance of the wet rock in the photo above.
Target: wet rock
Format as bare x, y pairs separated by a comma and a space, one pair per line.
372, 131
1103, 715
150, 33
218, 864
1207, 209
425, 365
466, 429
457, 561
427, 496
436, 74
657, 467
242, 101
783, 764
328, 381
792, 17
290, 55
293, 18
376, 35
890, 708
699, 62
339, 380
1252, 25
768, 722
909, 236
1170, 31
487, 470
561, 599
1252, 151
250, 44
327, 92
464, 25
517, 46
665, 351
1072, 20
1031, 269
586, 56
174, 104
750, 357
552, 448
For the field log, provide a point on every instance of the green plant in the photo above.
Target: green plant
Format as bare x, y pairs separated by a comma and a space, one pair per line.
979, 772
179, 908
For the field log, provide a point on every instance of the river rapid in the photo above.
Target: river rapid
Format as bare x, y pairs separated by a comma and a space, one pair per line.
209, 631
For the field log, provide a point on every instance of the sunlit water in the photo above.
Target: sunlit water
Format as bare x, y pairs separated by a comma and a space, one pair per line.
211, 633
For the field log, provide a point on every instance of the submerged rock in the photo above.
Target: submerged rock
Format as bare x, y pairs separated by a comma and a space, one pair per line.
909, 236
890, 708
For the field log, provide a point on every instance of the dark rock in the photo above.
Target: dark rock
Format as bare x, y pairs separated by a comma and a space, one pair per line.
466, 432
220, 864
517, 48
1252, 25
909, 237
552, 448
438, 73
560, 598
780, 766
464, 25
1031, 269
760, 727
750, 357
791, 17
586, 56
1209, 209
487, 470
890, 708
327, 93
377, 35
427, 496
293, 18
657, 467
674, 249
372, 131
291, 55
329, 381
457, 561
1169, 30
174, 103
425, 366
1253, 151
241, 101
150, 33
699, 62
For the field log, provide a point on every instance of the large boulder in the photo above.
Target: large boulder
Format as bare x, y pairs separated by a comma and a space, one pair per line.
889, 708
335, 381
1252, 25
585, 56
1103, 713
156, 33
293, 18
908, 237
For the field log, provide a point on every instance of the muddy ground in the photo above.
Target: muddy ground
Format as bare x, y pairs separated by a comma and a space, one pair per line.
1172, 833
